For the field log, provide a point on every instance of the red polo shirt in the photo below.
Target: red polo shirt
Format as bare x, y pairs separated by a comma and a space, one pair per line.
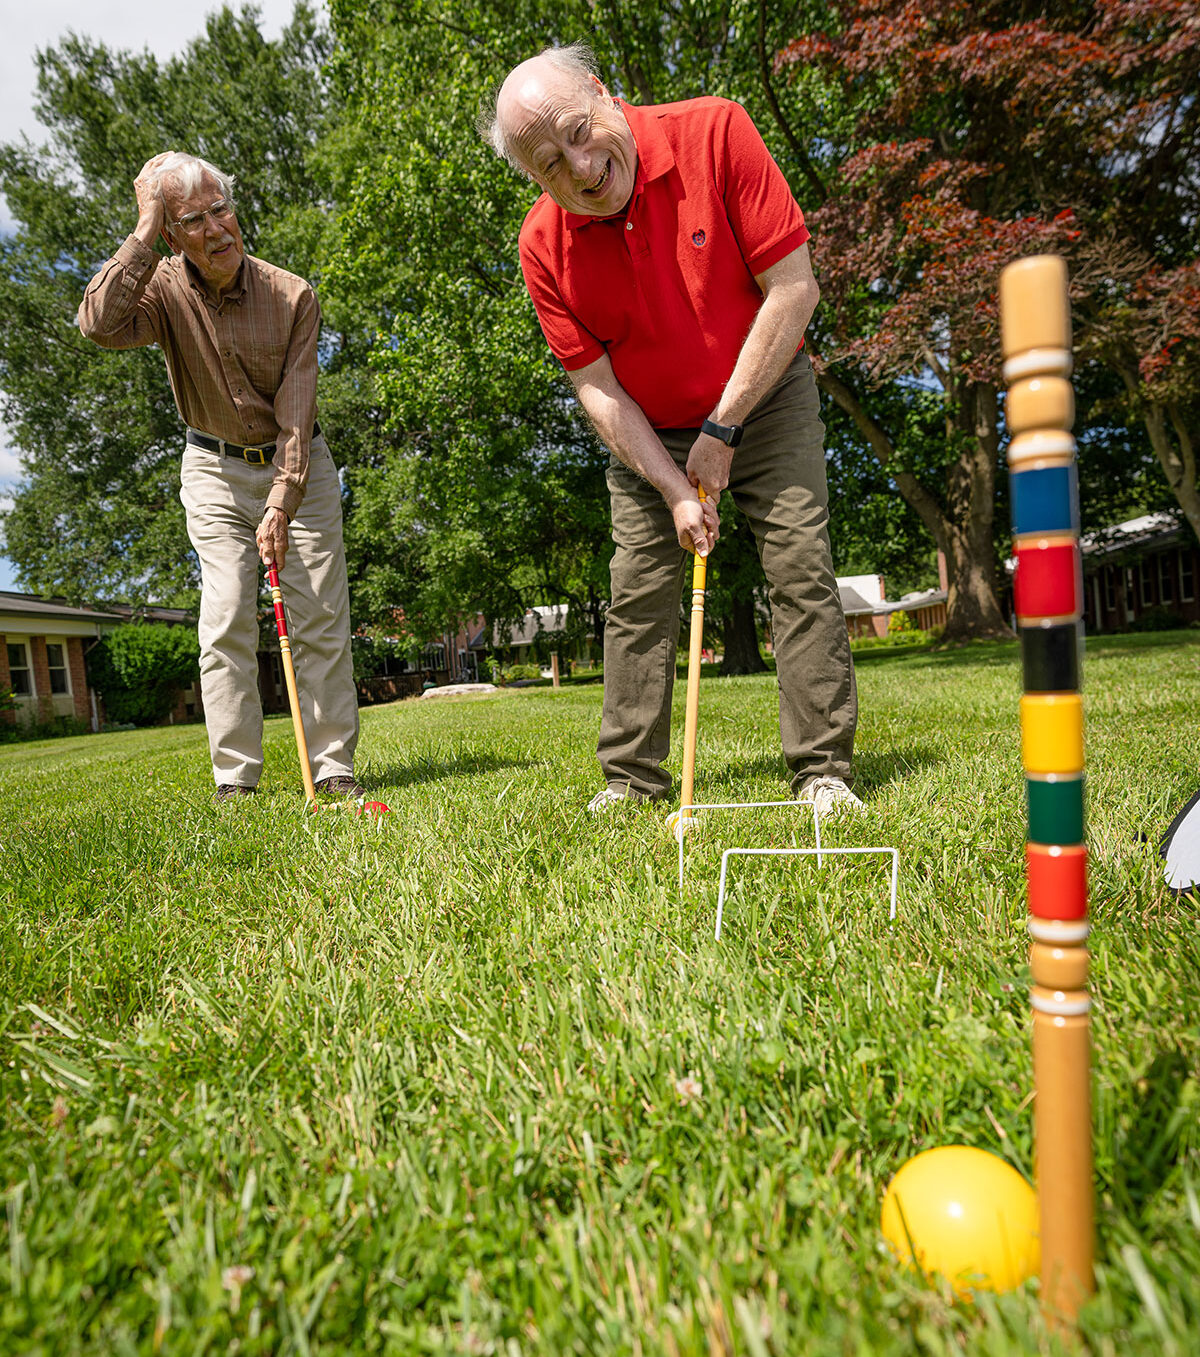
667, 288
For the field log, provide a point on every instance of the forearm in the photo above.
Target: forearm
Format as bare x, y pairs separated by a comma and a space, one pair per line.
626, 432
112, 313
790, 296
295, 410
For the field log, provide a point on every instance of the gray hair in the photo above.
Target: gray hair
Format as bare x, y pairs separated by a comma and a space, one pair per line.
575, 60
187, 171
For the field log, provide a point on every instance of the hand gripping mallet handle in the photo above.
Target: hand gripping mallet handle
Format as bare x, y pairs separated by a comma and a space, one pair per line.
289, 675
681, 821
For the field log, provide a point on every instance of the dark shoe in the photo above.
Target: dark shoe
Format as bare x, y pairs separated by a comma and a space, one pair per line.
342, 785
229, 791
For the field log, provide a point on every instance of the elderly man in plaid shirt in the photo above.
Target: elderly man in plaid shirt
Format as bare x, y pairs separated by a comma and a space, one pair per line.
240, 341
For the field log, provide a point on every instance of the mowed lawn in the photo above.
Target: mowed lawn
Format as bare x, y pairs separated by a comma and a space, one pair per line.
475, 1078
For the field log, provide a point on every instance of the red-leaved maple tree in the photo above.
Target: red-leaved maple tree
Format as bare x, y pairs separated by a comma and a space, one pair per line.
976, 133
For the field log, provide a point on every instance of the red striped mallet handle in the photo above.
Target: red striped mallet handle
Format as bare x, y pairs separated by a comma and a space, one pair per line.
1035, 323
289, 675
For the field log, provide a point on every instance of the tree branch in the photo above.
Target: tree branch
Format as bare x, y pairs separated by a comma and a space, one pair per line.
923, 504
764, 68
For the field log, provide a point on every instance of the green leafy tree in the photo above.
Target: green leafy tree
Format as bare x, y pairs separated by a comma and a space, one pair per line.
98, 514
139, 669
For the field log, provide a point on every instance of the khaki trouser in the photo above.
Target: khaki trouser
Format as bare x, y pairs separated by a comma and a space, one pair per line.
225, 500
778, 482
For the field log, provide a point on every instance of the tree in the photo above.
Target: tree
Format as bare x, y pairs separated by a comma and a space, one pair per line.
980, 134
99, 514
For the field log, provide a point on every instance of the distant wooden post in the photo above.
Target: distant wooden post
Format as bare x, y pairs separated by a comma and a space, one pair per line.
554, 667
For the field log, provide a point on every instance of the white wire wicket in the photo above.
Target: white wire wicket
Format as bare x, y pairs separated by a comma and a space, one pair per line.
818, 853
681, 825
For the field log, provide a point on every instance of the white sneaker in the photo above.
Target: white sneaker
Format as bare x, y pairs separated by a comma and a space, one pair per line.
830, 795
606, 799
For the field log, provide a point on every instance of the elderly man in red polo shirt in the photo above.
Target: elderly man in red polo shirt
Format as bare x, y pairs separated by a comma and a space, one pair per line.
668, 263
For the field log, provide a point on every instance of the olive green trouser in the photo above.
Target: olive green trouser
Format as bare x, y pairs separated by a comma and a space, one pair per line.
778, 481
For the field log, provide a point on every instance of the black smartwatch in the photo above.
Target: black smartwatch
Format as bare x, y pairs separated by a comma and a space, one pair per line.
729, 434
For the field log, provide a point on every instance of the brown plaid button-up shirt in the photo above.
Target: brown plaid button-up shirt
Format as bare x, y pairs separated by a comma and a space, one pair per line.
244, 371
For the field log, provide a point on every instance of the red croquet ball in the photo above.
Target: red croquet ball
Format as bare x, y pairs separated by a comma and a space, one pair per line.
374, 808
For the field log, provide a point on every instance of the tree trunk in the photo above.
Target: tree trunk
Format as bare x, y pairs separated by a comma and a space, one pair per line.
1172, 443
972, 608
597, 610
739, 636
963, 529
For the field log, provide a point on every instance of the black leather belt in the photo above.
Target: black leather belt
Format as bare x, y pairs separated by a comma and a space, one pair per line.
255, 456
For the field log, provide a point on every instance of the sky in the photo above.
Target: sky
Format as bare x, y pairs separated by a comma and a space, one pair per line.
164, 29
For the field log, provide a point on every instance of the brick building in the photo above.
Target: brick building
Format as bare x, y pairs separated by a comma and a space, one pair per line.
42, 645
1140, 571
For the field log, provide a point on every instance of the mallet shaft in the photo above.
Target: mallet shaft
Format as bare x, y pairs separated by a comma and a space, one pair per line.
695, 645
289, 678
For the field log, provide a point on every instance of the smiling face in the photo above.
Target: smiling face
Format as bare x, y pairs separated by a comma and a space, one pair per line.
570, 137
214, 247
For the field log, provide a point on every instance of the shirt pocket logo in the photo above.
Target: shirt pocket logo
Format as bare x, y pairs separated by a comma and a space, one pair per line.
698, 239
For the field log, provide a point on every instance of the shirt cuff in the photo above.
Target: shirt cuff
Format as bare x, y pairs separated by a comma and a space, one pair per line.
135, 254
285, 497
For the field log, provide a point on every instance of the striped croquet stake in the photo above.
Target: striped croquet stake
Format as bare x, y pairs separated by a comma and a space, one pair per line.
1035, 325
289, 676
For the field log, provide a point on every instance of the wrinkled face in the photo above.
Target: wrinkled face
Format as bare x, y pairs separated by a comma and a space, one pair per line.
573, 141
214, 245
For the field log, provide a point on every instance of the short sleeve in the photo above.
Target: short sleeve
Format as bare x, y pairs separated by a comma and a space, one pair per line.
571, 342
765, 217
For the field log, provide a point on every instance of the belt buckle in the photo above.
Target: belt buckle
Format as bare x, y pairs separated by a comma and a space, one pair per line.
257, 460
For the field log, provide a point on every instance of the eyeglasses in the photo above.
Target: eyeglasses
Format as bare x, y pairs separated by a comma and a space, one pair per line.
221, 210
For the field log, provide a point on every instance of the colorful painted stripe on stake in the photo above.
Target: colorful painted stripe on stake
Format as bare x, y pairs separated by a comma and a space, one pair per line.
1045, 500
1050, 654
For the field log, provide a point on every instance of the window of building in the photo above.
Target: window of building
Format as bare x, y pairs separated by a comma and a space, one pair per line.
56, 662
1146, 571
1166, 577
1187, 575
20, 674
1110, 588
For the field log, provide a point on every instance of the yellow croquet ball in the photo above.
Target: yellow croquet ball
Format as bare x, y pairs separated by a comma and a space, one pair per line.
966, 1214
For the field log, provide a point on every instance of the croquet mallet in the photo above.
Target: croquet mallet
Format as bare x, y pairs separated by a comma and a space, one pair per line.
289, 677
680, 821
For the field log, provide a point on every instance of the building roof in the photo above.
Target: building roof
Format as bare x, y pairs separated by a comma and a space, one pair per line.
863, 594
32, 608
1148, 530
534, 623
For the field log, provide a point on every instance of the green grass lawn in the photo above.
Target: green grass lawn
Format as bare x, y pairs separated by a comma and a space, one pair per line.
475, 1079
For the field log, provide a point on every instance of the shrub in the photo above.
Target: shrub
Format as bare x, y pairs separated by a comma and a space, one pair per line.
139, 668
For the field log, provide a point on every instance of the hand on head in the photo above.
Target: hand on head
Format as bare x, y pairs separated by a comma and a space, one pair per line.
148, 187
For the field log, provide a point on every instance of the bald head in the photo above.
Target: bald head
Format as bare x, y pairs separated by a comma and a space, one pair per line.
555, 121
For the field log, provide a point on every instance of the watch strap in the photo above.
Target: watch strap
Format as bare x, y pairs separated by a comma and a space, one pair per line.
730, 434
